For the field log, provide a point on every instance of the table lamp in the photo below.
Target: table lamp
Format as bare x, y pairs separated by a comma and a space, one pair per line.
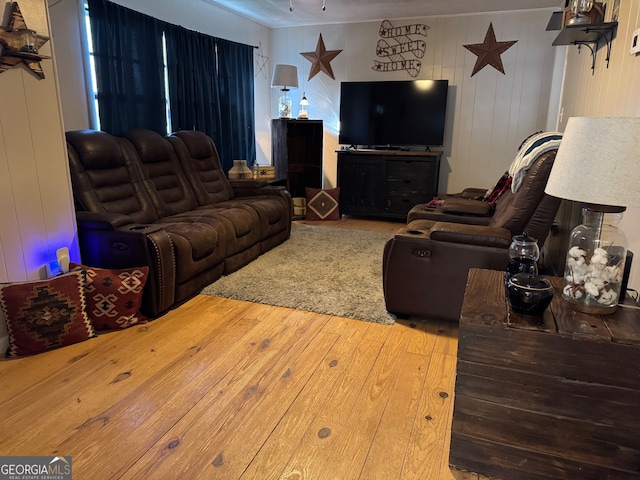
597, 165
285, 76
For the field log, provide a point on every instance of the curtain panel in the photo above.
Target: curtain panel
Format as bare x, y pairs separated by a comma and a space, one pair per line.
193, 84
211, 82
235, 77
129, 68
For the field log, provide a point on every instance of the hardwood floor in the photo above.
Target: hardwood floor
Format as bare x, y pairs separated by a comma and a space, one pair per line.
223, 389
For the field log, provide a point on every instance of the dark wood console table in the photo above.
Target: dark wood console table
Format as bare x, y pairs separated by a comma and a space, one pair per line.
386, 183
553, 398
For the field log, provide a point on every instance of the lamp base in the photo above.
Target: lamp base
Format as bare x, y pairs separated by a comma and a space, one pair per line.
285, 105
595, 261
590, 309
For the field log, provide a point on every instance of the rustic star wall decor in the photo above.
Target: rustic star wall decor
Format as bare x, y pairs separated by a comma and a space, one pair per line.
320, 59
489, 51
19, 44
261, 62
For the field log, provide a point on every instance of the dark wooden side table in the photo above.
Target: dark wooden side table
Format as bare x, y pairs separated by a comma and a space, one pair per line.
551, 398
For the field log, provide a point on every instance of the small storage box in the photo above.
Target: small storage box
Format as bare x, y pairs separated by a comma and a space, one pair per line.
266, 172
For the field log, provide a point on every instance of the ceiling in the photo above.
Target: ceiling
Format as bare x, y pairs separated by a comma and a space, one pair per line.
275, 13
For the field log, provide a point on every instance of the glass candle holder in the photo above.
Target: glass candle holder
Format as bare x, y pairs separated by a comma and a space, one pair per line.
523, 256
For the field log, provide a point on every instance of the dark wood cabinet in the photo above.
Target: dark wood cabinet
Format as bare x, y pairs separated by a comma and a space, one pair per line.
296, 153
386, 184
554, 396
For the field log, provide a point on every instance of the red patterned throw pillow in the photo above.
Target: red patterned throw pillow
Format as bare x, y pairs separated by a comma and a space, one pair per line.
114, 296
322, 204
45, 314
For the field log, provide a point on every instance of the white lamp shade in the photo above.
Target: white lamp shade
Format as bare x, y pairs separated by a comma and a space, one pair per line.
598, 162
285, 76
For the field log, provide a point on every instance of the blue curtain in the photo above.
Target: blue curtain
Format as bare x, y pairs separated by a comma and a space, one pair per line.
210, 80
129, 68
193, 85
235, 77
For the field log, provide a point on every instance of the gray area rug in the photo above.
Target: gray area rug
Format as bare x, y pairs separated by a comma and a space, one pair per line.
319, 269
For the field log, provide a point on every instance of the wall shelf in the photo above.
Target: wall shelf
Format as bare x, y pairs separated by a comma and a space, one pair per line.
593, 36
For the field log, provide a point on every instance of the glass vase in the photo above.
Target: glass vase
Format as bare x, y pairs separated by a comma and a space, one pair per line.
595, 261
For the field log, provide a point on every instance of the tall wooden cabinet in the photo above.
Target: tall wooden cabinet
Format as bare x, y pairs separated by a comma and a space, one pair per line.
386, 183
296, 153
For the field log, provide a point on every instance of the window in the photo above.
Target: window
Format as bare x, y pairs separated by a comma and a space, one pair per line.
93, 84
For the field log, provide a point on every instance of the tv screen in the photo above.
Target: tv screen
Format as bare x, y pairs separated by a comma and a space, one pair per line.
393, 114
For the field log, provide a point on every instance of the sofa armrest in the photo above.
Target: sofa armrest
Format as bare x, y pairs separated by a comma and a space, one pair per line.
255, 187
479, 235
469, 193
473, 192
465, 206
248, 183
102, 221
132, 245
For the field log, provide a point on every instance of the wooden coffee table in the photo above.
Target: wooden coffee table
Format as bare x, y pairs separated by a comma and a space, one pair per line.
555, 397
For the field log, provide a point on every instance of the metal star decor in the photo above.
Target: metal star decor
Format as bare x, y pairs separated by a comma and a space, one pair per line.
261, 62
489, 51
320, 59
19, 44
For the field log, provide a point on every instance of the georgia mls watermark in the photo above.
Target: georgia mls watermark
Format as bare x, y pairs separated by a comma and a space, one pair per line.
35, 468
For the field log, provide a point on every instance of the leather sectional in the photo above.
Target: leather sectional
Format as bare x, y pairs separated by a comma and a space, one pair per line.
165, 202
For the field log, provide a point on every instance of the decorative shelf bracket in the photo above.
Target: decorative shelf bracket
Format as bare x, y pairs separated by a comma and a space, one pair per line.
592, 36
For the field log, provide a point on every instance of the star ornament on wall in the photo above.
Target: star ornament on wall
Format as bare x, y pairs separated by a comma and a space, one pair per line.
489, 51
19, 44
320, 59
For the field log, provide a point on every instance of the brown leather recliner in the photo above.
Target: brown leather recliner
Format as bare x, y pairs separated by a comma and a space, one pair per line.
425, 264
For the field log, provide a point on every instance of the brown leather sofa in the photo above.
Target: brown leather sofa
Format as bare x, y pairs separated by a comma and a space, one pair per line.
425, 264
164, 202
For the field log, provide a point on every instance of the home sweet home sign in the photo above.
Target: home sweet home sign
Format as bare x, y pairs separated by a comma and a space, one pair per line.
401, 47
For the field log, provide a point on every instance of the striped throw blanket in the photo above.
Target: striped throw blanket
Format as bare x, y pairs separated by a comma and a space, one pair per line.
534, 146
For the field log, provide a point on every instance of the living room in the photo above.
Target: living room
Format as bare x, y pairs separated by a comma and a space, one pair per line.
489, 114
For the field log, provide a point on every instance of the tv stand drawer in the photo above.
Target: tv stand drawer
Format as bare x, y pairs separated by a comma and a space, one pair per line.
386, 183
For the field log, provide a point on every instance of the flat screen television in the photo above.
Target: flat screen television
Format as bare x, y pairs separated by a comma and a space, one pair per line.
397, 114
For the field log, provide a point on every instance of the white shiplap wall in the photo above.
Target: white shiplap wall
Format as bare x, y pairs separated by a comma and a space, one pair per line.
36, 213
489, 114
609, 92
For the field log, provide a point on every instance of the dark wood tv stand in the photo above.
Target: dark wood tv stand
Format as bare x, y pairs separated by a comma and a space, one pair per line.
386, 183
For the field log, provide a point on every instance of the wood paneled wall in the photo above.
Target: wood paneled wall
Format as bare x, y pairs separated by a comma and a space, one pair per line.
36, 205
608, 92
489, 114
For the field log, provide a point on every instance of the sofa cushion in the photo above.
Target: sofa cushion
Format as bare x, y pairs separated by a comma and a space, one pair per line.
45, 314
114, 296
200, 161
237, 222
464, 206
104, 176
170, 190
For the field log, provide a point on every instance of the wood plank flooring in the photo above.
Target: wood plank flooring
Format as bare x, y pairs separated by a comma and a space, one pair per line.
223, 389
